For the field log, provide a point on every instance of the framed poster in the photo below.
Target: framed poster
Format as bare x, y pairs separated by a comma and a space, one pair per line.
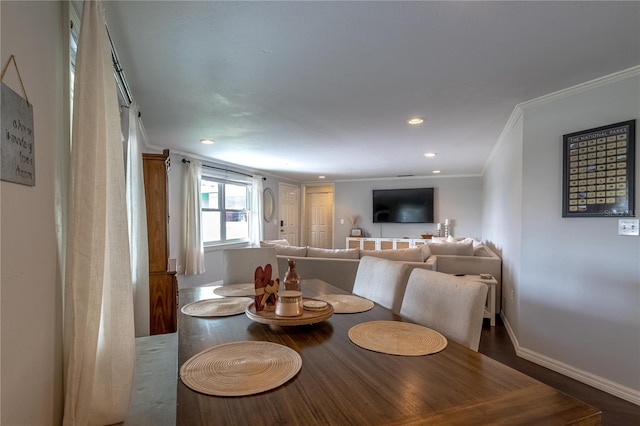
599, 172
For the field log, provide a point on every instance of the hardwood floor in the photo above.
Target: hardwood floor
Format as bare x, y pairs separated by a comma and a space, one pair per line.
495, 343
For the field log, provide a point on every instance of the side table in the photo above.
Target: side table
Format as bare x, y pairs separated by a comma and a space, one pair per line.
490, 306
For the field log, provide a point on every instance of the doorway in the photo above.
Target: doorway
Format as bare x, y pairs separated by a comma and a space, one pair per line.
288, 208
318, 216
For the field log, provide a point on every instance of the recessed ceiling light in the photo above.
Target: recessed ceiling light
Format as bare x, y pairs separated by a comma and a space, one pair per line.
430, 154
436, 171
321, 177
415, 120
207, 141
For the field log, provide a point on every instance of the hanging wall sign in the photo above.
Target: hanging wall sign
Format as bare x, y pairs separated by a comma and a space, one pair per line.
599, 171
18, 145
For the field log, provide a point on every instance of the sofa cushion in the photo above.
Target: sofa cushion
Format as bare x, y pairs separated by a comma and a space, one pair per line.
290, 250
455, 249
272, 243
333, 253
410, 254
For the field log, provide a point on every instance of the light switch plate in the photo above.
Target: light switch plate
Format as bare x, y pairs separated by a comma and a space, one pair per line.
628, 226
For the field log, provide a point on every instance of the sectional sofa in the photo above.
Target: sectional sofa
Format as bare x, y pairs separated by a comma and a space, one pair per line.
339, 266
470, 257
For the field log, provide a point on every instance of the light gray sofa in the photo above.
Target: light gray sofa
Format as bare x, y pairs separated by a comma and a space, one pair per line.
339, 266
470, 257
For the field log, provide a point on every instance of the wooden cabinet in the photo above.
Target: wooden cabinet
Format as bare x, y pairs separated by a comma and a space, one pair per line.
163, 285
163, 288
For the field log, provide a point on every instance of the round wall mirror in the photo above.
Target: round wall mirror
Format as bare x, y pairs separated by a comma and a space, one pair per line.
268, 204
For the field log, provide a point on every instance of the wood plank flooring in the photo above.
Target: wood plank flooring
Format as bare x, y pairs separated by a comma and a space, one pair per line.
495, 343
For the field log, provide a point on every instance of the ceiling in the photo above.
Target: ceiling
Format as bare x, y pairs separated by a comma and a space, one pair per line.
299, 89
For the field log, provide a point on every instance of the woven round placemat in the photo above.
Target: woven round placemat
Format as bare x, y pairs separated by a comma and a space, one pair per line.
217, 307
346, 303
397, 338
240, 368
236, 290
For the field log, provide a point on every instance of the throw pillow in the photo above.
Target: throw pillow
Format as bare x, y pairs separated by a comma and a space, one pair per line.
476, 242
481, 251
426, 251
335, 253
437, 240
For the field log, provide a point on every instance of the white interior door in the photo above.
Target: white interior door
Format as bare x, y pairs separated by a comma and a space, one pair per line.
319, 219
288, 208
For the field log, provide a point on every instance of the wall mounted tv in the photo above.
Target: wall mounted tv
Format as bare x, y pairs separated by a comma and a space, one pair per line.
411, 205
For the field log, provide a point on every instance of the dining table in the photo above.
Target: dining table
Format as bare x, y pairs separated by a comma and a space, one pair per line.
342, 383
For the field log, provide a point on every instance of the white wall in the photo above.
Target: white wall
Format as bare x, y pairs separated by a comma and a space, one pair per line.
458, 199
578, 287
31, 296
502, 213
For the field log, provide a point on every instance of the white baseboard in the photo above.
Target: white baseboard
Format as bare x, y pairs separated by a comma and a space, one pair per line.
590, 379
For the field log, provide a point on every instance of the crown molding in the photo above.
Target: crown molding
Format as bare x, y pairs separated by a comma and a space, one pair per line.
582, 87
519, 109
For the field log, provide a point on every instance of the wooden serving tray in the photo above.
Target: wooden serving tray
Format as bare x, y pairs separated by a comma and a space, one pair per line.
307, 317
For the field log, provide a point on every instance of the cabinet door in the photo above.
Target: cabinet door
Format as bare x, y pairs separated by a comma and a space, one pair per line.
369, 244
155, 187
386, 245
353, 243
402, 244
163, 288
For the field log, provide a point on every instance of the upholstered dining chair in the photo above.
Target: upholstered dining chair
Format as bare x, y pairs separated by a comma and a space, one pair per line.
448, 304
239, 265
382, 281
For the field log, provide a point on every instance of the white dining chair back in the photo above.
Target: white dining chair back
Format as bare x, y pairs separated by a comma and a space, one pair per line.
239, 265
382, 281
451, 305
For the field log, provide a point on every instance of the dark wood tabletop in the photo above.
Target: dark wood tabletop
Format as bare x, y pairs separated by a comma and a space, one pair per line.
343, 384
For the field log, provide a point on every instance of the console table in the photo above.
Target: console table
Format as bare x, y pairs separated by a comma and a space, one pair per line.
383, 243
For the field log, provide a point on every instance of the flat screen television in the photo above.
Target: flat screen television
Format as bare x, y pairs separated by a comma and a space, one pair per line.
411, 205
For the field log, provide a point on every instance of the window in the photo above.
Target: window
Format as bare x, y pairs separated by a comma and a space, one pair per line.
226, 212
74, 34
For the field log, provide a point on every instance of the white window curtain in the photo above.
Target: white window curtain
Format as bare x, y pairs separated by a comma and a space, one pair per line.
194, 246
137, 215
98, 313
256, 211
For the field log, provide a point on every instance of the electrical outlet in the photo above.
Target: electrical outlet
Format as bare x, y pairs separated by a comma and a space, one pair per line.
628, 226
511, 295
